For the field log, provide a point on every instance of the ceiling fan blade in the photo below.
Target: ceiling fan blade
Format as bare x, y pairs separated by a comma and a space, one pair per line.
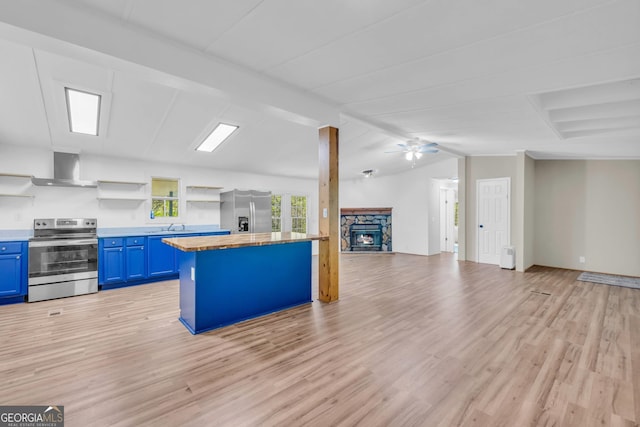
428, 150
429, 144
402, 145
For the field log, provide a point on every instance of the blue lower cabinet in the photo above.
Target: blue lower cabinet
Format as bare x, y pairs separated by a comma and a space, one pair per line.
111, 260
161, 258
13, 271
135, 258
126, 261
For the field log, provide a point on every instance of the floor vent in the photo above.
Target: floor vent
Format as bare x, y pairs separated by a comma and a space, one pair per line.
541, 293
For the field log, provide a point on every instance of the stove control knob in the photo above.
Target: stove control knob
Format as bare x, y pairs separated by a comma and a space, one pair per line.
37, 224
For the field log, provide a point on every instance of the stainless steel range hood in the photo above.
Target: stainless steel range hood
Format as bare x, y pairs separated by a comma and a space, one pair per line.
66, 172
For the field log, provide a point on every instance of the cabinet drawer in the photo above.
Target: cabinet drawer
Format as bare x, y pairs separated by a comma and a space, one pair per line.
135, 241
113, 242
10, 247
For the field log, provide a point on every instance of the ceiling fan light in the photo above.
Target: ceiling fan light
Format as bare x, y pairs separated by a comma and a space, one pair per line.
408, 155
418, 155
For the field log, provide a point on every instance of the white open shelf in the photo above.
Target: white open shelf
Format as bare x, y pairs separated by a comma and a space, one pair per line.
127, 191
203, 187
20, 177
131, 199
203, 194
15, 175
26, 196
101, 181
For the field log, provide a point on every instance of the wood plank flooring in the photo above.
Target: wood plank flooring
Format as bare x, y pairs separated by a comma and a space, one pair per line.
413, 341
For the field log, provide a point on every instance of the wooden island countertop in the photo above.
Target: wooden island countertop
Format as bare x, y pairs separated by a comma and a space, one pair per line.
208, 243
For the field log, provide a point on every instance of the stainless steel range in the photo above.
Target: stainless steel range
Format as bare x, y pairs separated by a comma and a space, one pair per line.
63, 258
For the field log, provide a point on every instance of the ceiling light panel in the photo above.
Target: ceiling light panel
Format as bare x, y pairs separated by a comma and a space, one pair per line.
83, 110
217, 137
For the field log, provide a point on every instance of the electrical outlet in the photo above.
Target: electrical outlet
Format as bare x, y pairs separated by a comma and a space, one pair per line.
582, 260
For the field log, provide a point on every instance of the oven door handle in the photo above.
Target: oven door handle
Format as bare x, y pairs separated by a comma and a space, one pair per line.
53, 243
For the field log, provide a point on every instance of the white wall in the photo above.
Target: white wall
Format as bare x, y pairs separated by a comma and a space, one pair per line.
588, 208
462, 209
18, 213
485, 168
414, 197
525, 212
433, 215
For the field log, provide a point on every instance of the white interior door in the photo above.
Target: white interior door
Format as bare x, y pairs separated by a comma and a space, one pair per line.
447, 235
493, 216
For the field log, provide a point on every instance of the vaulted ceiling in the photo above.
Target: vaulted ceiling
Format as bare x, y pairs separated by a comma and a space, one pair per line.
559, 78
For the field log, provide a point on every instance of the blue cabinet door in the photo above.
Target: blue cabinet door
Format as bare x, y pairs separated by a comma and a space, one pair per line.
135, 261
10, 275
161, 258
112, 260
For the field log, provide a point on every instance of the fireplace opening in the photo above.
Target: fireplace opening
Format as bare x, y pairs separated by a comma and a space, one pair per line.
366, 237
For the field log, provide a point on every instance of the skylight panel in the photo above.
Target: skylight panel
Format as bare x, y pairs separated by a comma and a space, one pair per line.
217, 137
84, 111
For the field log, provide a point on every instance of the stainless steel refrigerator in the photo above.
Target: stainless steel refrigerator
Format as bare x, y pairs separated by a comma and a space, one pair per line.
246, 211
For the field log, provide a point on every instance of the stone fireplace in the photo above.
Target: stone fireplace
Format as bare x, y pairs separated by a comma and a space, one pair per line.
365, 229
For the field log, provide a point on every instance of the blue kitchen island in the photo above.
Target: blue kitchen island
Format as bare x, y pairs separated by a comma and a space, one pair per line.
228, 279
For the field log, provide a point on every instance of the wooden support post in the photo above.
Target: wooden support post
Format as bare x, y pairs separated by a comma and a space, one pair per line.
329, 258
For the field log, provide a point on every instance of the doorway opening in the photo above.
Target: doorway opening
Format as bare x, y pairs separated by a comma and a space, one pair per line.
449, 215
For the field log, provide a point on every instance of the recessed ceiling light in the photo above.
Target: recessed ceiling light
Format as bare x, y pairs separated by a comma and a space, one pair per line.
217, 137
83, 109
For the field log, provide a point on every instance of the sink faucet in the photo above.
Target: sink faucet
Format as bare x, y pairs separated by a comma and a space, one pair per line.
170, 227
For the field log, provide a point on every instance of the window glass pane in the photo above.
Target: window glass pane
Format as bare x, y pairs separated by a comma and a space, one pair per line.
455, 214
164, 187
164, 208
276, 213
157, 206
299, 214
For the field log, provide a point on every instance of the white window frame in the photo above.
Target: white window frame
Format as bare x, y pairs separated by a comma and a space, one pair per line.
166, 219
286, 220
306, 217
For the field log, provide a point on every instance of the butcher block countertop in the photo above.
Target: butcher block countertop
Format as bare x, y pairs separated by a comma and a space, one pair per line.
208, 243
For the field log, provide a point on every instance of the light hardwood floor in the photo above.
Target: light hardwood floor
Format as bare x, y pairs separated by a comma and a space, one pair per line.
425, 341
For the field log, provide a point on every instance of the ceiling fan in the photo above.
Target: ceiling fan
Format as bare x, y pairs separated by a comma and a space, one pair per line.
414, 150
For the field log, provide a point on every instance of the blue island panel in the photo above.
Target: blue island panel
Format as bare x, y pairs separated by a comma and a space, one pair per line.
236, 284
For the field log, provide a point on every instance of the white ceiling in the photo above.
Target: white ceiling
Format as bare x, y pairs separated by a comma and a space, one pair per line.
559, 78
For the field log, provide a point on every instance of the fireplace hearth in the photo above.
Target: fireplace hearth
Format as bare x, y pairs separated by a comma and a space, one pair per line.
366, 237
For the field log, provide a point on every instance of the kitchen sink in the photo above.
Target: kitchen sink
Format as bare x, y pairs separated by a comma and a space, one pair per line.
187, 231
